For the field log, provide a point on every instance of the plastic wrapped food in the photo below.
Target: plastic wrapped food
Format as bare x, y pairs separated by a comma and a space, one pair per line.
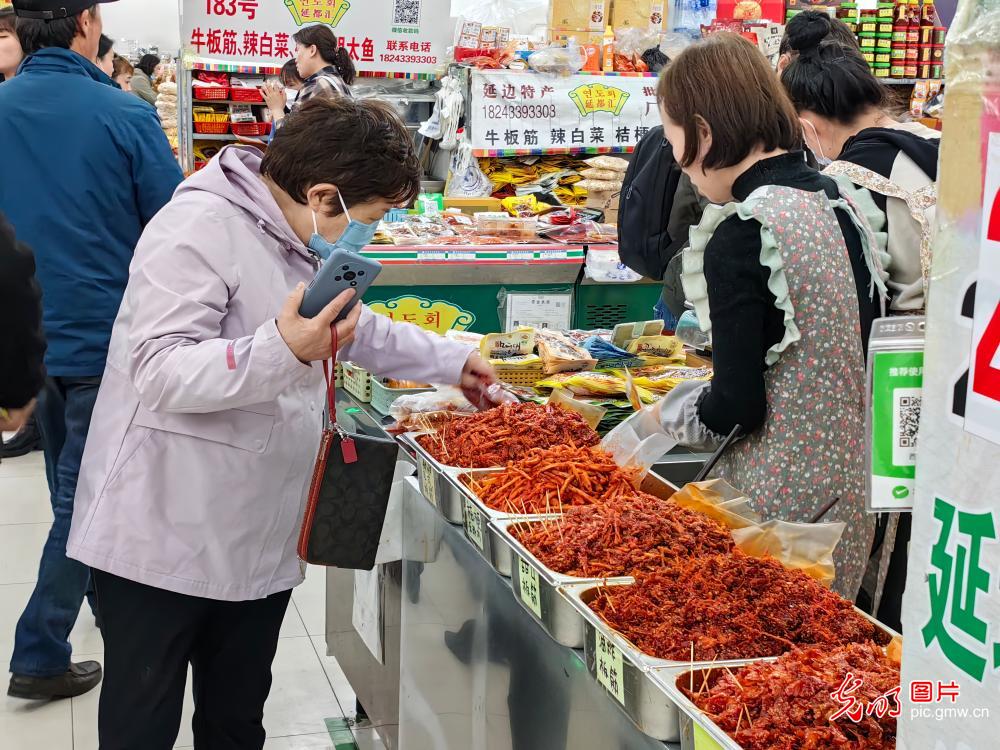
497, 348
670, 377
559, 354
563, 61
658, 349
613, 164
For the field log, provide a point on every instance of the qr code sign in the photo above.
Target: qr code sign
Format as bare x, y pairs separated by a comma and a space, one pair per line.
909, 421
905, 423
406, 12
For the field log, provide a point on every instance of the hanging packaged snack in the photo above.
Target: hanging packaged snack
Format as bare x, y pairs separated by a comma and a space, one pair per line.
559, 354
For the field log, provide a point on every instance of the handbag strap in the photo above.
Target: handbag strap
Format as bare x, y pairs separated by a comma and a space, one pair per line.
329, 372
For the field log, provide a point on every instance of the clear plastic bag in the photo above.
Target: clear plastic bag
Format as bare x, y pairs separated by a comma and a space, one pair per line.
557, 60
799, 546
591, 413
634, 41
604, 264
718, 500
633, 443
447, 398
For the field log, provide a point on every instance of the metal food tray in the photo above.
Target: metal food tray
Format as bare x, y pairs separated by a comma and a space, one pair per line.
478, 520
484, 533
625, 671
697, 731
438, 483
536, 586
639, 671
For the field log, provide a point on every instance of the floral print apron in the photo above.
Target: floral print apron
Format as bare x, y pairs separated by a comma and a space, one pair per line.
810, 449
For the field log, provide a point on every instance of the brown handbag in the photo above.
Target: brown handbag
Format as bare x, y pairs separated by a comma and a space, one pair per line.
349, 492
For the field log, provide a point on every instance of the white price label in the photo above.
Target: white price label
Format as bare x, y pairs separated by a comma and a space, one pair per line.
474, 524
432, 255
520, 255
553, 255
461, 255
610, 667
531, 592
428, 481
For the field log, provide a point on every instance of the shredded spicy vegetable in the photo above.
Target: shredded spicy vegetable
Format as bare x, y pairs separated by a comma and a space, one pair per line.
547, 480
494, 437
730, 607
788, 704
624, 537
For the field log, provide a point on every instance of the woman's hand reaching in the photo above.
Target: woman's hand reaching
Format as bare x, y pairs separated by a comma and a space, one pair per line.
309, 338
479, 383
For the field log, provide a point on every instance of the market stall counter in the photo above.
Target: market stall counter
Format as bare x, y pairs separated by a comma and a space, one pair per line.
460, 663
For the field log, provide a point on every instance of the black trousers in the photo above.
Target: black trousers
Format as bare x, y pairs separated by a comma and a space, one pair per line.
150, 637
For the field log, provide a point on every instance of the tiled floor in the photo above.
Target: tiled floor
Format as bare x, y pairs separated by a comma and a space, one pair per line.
308, 687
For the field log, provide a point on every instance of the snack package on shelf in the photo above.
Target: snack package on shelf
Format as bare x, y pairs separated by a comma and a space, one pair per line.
665, 379
658, 350
502, 348
559, 354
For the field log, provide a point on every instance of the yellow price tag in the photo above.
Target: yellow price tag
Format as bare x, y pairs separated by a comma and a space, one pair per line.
474, 524
531, 592
428, 481
610, 667
703, 740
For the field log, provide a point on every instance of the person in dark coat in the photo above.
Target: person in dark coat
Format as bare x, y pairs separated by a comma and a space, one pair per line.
86, 166
22, 345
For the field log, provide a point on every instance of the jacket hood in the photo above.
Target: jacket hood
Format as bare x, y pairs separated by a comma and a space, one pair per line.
57, 59
234, 174
866, 146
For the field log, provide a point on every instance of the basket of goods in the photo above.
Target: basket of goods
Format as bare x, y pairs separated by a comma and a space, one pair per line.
251, 129
209, 122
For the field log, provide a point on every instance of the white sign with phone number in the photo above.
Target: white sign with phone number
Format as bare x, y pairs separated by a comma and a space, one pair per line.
524, 111
389, 36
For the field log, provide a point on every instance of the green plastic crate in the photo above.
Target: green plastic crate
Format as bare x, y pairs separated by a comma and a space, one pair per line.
382, 396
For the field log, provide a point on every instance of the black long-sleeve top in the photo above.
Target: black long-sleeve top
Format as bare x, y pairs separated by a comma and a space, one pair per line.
745, 319
22, 344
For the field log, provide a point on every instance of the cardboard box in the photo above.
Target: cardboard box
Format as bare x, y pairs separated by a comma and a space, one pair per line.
579, 14
606, 201
639, 14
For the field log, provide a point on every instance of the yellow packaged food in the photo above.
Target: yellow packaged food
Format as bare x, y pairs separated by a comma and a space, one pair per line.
559, 354
500, 347
594, 384
670, 377
656, 350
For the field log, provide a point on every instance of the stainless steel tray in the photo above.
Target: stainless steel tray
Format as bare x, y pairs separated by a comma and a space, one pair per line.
697, 731
624, 670
479, 528
437, 481
537, 586
484, 533
606, 649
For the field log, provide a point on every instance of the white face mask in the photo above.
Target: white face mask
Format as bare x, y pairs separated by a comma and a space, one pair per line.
291, 95
818, 154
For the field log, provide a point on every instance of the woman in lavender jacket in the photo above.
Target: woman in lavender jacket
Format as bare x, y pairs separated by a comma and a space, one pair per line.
195, 474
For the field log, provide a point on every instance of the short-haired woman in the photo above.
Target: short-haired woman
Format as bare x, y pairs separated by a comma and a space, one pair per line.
121, 72
11, 53
142, 78
192, 492
323, 65
779, 273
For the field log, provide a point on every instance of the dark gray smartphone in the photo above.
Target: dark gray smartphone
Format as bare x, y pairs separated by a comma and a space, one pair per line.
341, 271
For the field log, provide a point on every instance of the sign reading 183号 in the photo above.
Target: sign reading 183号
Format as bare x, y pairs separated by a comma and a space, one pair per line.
386, 36
520, 111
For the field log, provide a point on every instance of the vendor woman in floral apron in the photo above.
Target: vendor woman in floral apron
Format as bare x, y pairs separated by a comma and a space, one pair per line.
781, 271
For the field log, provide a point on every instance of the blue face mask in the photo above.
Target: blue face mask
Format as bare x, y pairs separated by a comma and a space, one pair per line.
354, 237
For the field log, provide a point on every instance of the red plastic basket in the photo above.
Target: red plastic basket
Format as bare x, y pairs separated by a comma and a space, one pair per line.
251, 129
212, 128
211, 93
238, 94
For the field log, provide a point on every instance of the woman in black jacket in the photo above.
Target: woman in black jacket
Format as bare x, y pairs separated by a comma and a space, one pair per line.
846, 117
22, 345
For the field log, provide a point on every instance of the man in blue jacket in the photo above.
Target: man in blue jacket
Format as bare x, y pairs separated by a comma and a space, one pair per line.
85, 167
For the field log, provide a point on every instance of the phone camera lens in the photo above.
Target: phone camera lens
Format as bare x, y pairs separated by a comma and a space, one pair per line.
361, 273
337, 278
345, 268
350, 275
354, 283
